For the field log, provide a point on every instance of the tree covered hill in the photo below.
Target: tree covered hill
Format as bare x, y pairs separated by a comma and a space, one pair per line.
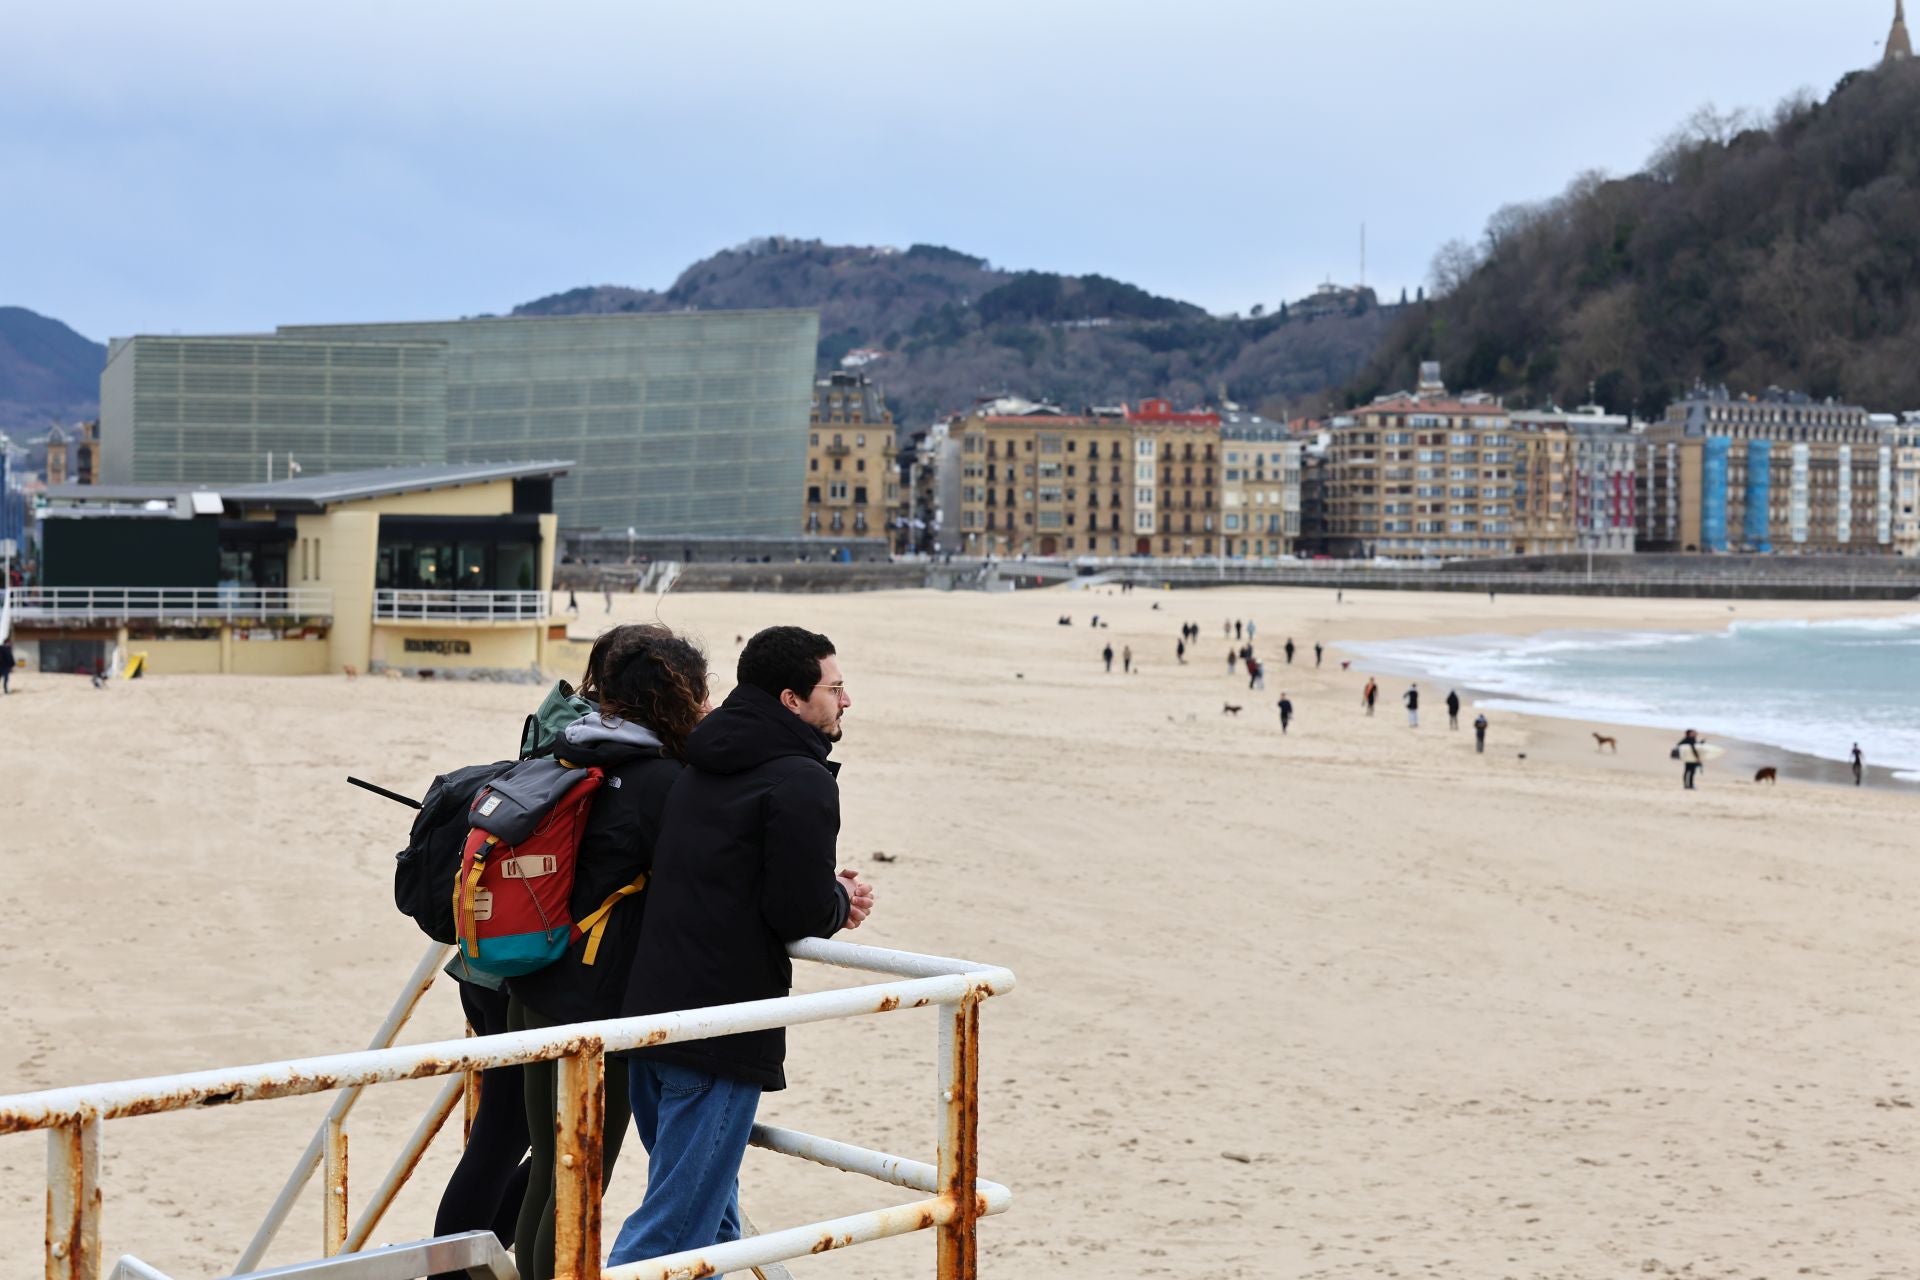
953, 328
1755, 255
48, 372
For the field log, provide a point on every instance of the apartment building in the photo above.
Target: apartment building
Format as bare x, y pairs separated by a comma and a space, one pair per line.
1423, 475
1905, 440
1260, 487
1773, 472
1037, 481
1573, 481
853, 477
1177, 473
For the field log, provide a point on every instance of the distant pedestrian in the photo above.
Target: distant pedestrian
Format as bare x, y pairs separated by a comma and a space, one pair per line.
1232, 658
1126, 660
1412, 699
1107, 654
1370, 694
1480, 733
1489, 597
1453, 709
1289, 650
6, 666
1286, 711
1859, 761
1339, 597
573, 601
1226, 629
1687, 752
1249, 628
1180, 652
1236, 630
1256, 674
1318, 649
609, 593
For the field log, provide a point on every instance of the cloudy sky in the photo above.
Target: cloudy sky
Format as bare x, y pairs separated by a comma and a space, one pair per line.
212, 165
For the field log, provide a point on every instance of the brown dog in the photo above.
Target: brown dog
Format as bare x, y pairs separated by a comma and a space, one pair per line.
1768, 774
1602, 741
1228, 709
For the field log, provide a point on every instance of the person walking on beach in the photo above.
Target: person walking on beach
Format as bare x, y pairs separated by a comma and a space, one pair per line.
1453, 709
1286, 712
1232, 657
1180, 652
607, 589
1256, 674
1318, 649
573, 601
744, 866
1412, 699
1370, 695
1126, 659
1687, 752
1859, 761
1249, 630
1236, 630
1107, 654
6, 666
1480, 733
1289, 650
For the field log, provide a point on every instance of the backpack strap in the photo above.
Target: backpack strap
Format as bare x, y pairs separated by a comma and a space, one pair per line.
595, 925
467, 895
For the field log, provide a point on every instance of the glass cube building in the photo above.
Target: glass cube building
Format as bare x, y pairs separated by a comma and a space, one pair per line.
683, 423
192, 410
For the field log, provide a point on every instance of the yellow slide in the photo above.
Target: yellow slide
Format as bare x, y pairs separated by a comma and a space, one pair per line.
136, 666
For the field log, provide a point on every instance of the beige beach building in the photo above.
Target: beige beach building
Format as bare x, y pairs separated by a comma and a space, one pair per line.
443, 570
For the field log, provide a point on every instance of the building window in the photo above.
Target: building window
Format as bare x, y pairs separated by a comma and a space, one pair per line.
860, 493
859, 464
837, 490
861, 440
813, 493
813, 464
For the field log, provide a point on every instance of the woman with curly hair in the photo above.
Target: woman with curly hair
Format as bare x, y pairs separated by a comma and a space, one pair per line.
649, 689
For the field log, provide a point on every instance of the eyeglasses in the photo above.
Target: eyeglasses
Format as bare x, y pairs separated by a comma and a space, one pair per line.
838, 689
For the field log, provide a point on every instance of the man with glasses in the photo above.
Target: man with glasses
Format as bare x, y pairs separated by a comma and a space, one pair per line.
743, 865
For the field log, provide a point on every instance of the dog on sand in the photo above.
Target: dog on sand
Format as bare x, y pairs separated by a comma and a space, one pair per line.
1228, 709
1767, 774
1601, 742
353, 672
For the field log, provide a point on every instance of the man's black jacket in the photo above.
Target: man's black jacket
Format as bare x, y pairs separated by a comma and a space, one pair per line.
743, 866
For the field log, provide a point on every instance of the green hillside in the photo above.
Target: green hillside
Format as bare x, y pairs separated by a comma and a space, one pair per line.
1753, 255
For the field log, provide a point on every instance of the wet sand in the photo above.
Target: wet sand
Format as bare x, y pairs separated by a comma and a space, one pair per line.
1353, 1002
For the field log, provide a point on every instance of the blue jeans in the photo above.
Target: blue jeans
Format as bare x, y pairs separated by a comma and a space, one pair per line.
695, 1128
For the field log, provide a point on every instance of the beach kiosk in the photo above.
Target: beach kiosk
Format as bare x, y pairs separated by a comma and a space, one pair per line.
437, 570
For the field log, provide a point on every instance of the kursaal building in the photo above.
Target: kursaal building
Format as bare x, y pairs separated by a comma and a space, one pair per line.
685, 423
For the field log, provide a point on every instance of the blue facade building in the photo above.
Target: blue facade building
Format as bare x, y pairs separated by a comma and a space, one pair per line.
1713, 493
1759, 495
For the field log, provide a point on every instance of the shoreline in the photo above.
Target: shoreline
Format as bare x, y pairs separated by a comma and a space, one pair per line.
1557, 727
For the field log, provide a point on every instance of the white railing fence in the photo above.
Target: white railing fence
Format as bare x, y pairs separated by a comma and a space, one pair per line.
392, 604
173, 604
953, 1196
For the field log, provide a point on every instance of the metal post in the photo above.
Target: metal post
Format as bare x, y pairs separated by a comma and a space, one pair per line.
333, 1181
959, 1163
73, 1201
579, 1118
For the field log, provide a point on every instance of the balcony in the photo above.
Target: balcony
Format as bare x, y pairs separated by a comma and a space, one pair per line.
483, 607
83, 605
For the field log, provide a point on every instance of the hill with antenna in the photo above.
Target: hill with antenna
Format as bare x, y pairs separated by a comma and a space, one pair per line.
1783, 253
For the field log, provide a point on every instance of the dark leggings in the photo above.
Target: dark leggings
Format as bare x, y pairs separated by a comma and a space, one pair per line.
490, 1181
534, 1256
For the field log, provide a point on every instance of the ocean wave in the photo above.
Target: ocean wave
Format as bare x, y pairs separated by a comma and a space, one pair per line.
1812, 689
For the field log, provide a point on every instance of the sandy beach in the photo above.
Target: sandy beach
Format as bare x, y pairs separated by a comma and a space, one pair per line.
1353, 1002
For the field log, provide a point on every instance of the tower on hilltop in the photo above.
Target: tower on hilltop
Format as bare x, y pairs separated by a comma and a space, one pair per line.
1899, 44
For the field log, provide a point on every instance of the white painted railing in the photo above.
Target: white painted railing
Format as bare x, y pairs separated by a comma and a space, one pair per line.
171, 604
953, 1195
398, 605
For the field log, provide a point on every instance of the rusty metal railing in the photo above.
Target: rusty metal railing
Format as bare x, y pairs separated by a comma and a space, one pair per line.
954, 1196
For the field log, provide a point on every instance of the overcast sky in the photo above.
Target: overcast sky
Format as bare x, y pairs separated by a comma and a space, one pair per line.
234, 164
